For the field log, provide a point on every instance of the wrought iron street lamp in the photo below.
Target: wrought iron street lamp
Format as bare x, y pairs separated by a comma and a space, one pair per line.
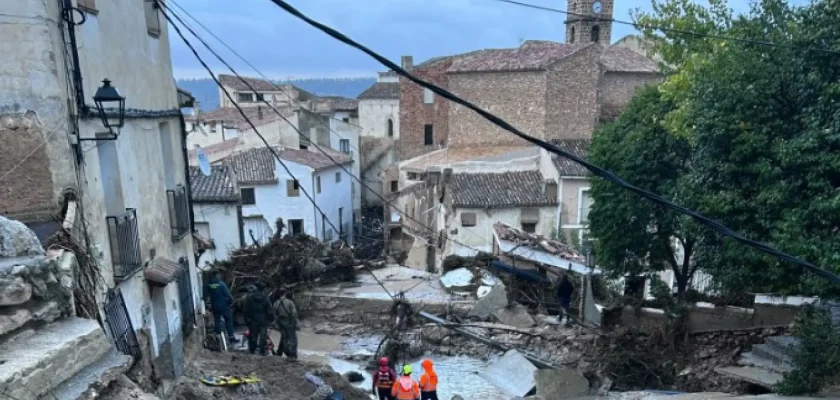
108, 103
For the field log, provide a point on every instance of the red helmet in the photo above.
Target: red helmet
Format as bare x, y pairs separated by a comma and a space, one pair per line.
383, 362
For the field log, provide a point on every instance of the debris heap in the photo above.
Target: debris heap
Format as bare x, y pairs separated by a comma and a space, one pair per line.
535, 241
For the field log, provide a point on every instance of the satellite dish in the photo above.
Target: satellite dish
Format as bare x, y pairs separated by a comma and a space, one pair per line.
203, 162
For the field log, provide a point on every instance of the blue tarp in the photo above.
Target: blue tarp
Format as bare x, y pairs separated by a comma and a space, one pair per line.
528, 275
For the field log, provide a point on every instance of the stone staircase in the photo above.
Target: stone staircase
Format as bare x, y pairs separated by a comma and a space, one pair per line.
765, 364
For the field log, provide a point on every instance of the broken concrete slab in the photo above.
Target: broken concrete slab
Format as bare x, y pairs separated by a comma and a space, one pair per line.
88, 383
14, 291
487, 305
17, 240
756, 376
517, 316
560, 384
459, 279
512, 373
14, 319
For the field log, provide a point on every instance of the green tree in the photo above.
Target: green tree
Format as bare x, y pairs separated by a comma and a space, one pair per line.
635, 237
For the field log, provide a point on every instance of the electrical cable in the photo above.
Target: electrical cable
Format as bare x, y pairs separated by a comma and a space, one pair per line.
333, 160
248, 120
596, 170
674, 30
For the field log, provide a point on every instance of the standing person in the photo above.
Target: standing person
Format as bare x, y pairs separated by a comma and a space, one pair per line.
428, 381
383, 380
564, 295
406, 388
288, 323
257, 316
220, 302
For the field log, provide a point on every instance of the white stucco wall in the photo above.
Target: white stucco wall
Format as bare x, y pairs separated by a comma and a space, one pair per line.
334, 195
374, 115
342, 130
481, 235
373, 178
201, 134
272, 201
223, 223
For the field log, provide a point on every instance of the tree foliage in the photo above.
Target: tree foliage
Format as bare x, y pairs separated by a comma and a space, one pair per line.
762, 127
636, 237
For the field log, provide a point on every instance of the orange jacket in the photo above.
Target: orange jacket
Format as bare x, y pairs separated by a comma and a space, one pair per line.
405, 388
429, 379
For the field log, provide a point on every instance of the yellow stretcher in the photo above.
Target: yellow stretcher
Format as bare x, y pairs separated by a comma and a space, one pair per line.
212, 380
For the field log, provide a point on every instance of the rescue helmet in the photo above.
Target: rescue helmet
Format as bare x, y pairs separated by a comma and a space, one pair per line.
383, 362
406, 369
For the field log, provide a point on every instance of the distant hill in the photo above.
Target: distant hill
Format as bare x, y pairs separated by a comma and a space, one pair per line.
207, 93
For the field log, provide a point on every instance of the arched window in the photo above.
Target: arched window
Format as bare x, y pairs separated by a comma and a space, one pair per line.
390, 127
596, 34
572, 36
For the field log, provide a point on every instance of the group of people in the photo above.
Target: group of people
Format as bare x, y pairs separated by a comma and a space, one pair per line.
388, 386
259, 313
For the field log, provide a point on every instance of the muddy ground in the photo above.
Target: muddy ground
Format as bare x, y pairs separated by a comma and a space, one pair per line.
281, 379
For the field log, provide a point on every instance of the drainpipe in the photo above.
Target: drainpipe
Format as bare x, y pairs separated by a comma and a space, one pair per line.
67, 15
188, 185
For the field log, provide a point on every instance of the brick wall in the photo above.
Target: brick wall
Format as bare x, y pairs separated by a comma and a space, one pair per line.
618, 88
27, 191
572, 95
517, 97
414, 114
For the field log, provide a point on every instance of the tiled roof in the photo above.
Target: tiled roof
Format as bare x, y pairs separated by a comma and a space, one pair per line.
536, 242
381, 90
220, 186
623, 59
498, 190
215, 152
231, 114
315, 159
258, 84
567, 167
530, 56
254, 166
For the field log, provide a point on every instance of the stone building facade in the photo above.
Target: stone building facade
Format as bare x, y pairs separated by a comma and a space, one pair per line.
416, 113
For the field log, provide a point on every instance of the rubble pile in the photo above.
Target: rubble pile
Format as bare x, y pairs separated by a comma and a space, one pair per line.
535, 241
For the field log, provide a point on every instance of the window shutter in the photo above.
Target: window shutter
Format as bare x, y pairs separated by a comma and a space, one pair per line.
468, 219
529, 216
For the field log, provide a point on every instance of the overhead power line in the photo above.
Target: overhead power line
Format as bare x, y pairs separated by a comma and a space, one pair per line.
295, 128
672, 30
596, 170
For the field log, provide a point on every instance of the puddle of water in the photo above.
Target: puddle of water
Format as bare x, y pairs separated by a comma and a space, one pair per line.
459, 375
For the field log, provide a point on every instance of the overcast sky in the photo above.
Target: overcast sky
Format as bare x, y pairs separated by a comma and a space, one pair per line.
282, 46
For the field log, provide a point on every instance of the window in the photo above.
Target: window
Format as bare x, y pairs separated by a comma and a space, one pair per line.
303, 147
248, 196
428, 134
245, 97
584, 204
572, 35
318, 183
292, 188
394, 186
337, 177
344, 146
88, 6
260, 97
346, 120
428, 96
152, 18
213, 127
296, 226
412, 176
529, 227
596, 34
467, 219
166, 153
390, 127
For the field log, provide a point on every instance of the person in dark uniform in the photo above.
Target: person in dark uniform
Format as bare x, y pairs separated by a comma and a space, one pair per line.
288, 324
220, 302
564, 295
257, 316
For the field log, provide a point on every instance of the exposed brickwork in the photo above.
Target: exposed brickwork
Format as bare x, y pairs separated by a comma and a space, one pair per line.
516, 97
414, 114
572, 94
27, 192
618, 88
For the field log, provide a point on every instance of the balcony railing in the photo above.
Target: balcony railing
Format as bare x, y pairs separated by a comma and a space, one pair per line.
179, 211
125, 244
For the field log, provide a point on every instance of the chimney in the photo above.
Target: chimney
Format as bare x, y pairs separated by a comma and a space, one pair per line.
259, 112
407, 62
551, 190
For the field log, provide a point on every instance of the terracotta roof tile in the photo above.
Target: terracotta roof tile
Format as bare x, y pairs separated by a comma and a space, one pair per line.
257, 166
220, 186
315, 159
381, 90
567, 167
623, 59
215, 152
498, 190
337, 103
258, 84
531, 56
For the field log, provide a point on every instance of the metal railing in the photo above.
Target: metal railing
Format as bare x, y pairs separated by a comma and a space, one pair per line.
185, 295
122, 332
179, 211
125, 244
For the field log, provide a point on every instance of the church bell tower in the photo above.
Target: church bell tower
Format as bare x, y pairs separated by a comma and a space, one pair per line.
589, 21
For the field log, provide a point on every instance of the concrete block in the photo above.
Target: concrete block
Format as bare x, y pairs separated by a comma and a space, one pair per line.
36, 365
512, 373
517, 316
14, 291
13, 319
493, 301
90, 381
757, 376
560, 384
